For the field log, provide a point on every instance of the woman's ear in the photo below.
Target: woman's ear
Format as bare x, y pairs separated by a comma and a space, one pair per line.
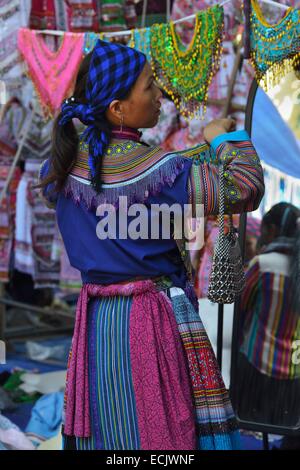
115, 109
114, 112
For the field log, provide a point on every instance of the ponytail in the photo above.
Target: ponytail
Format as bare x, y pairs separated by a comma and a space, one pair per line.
65, 139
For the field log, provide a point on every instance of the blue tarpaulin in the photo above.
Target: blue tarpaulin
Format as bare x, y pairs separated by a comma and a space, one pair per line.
274, 141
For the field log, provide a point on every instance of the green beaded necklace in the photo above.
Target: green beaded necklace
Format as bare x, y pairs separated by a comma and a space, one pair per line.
185, 74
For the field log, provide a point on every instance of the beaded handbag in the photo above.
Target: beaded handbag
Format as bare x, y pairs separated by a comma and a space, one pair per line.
227, 277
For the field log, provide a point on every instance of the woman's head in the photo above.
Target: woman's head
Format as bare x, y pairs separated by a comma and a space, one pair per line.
279, 221
65, 138
141, 106
114, 86
282, 223
137, 107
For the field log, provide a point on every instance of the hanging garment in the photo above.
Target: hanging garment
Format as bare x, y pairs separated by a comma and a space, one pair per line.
9, 131
141, 40
46, 271
6, 221
185, 74
69, 278
12, 123
7, 217
198, 415
9, 58
24, 261
130, 14
220, 82
35, 231
12, 18
53, 73
183, 8
83, 15
42, 14
62, 15
273, 14
190, 131
37, 145
117, 15
274, 48
90, 41
65, 15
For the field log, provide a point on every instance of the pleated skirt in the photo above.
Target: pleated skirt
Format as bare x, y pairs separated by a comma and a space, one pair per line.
169, 398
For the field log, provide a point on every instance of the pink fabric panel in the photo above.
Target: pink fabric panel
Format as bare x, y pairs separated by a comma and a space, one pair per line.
158, 361
160, 376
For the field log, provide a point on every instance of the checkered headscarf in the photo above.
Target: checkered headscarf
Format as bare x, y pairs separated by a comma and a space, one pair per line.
114, 68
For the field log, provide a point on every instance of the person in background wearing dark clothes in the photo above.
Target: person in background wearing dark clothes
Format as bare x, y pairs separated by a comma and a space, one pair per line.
268, 372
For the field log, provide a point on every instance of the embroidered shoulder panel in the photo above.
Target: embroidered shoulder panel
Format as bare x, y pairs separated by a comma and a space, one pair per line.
129, 169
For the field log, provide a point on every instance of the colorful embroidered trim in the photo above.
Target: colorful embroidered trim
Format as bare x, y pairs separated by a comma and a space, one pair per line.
53, 73
141, 40
275, 48
130, 169
90, 41
240, 194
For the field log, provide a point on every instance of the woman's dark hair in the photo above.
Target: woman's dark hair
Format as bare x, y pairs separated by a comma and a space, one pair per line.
286, 218
65, 139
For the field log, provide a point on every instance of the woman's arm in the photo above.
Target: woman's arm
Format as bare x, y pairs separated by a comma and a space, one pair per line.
244, 182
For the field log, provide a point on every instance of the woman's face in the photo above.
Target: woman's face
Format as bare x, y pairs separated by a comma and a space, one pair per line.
141, 109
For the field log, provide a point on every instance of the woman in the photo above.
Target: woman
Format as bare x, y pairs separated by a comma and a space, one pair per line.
269, 372
141, 373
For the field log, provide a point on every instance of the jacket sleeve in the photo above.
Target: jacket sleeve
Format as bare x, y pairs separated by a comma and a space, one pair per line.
243, 174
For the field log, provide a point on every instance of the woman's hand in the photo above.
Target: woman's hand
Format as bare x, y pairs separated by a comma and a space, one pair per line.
217, 127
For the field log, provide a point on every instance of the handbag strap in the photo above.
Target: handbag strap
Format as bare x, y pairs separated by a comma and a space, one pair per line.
221, 201
222, 204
